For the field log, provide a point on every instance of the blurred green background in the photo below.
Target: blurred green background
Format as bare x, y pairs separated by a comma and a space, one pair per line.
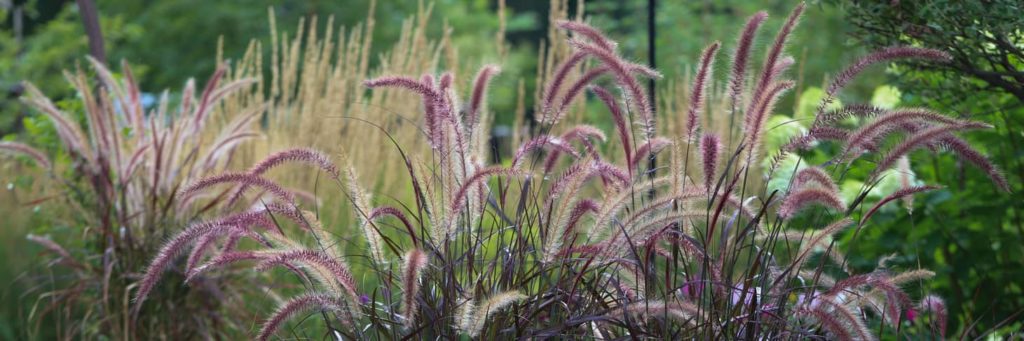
970, 234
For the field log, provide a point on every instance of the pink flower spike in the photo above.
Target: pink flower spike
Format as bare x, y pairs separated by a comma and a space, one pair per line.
814, 175
773, 66
415, 261
382, 211
807, 196
591, 33
648, 149
303, 155
20, 148
554, 86
742, 55
872, 131
620, 121
581, 133
483, 78
710, 148
920, 139
479, 177
236, 178
884, 55
170, 250
402, 82
543, 141
966, 152
700, 85
896, 195
337, 268
295, 306
621, 71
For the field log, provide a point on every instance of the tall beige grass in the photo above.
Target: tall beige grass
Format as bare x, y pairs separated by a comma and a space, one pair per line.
315, 97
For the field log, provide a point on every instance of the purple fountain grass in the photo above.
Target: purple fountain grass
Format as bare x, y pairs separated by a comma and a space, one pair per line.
265, 215
896, 299
431, 102
740, 59
612, 173
70, 134
555, 84
882, 56
205, 98
617, 253
294, 306
24, 149
621, 71
804, 197
849, 110
543, 141
562, 198
302, 155
582, 207
459, 199
828, 321
772, 67
559, 184
815, 134
762, 107
171, 250
781, 67
620, 121
588, 79
966, 152
577, 88
483, 79
128, 165
432, 97
236, 178
379, 212
920, 139
870, 133
661, 210
585, 135
492, 305
903, 192
362, 208
710, 147
337, 268
423, 87
223, 259
653, 146
814, 175
64, 257
700, 87
446, 82
204, 242
645, 231
601, 45
415, 261
589, 32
